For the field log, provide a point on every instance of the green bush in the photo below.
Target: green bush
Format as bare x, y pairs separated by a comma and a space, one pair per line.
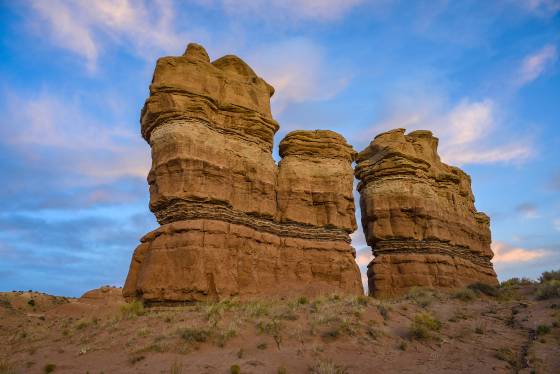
543, 329
423, 326
549, 276
548, 290
484, 288
235, 369
132, 309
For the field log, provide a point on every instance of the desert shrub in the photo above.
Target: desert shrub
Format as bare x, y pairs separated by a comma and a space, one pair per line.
484, 288
226, 334
49, 368
464, 294
132, 309
273, 328
384, 311
235, 369
421, 296
326, 367
424, 325
506, 354
548, 290
403, 345
281, 370
362, 300
194, 335
543, 329
302, 300
516, 282
549, 276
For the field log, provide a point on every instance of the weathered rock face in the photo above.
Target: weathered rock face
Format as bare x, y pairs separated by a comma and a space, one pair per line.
419, 217
233, 222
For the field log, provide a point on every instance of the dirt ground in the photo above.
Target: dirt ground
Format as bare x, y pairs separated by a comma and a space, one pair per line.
424, 332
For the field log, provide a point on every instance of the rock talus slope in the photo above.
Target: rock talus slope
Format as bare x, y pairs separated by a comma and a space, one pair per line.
233, 223
419, 217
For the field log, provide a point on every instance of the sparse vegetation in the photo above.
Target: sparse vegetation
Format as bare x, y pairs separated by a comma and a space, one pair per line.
548, 276
421, 296
542, 329
235, 369
484, 288
49, 368
548, 290
132, 310
516, 282
383, 311
326, 367
464, 294
424, 325
507, 355
194, 334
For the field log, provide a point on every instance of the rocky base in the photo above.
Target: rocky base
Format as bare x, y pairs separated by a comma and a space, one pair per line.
203, 259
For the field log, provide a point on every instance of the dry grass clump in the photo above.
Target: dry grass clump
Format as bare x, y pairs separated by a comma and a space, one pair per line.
195, 334
484, 288
132, 310
7, 368
550, 276
421, 296
548, 290
507, 355
464, 294
424, 325
326, 367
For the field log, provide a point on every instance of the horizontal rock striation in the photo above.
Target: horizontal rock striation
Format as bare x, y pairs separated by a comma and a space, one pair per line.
419, 217
233, 222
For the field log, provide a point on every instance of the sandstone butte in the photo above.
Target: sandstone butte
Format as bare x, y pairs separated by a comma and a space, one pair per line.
419, 217
233, 222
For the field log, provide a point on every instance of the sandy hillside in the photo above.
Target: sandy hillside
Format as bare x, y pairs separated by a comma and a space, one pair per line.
466, 331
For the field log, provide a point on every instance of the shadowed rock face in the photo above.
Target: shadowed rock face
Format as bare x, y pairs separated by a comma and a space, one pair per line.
233, 222
418, 216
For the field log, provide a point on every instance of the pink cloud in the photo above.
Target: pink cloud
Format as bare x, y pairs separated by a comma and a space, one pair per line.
506, 253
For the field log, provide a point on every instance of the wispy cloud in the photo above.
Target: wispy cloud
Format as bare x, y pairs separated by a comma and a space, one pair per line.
527, 210
90, 148
282, 10
85, 27
467, 130
299, 70
536, 64
556, 224
506, 253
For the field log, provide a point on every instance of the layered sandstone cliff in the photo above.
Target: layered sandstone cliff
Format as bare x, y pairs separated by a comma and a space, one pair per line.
233, 222
419, 217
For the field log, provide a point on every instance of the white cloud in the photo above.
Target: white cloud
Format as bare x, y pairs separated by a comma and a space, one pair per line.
84, 27
534, 65
299, 71
528, 210
89, 148
468, 130
506, 253
288, 10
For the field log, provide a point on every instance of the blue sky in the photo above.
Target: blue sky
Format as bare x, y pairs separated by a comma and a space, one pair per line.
484, 76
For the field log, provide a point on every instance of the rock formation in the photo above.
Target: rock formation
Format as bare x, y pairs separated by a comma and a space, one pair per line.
233, 223
418, 216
